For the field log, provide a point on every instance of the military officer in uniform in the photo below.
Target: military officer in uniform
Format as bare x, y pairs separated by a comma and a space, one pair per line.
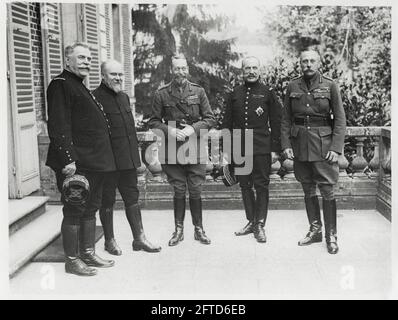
125, 150
79, 143
254, 106
312, 133
180, 110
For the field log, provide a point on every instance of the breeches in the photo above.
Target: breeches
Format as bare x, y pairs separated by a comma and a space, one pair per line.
180, 176
321, 173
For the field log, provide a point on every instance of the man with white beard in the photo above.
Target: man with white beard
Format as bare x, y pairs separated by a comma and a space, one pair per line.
124, 142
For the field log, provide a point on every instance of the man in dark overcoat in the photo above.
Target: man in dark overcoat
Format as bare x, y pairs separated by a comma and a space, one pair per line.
124, 142
79, 144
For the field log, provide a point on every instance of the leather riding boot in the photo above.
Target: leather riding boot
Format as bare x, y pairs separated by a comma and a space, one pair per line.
106, 217
73, 264
248, 203
314, 219
179, 216
133, 214
196, 212
261, 212
87, 246
330, 218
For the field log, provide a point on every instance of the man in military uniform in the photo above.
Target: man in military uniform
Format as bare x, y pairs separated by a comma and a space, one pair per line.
254, 106
125, 150
79, 143
180, 110
312, 133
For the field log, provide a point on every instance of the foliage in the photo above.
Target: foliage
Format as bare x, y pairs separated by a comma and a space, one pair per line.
354, 43
158, 36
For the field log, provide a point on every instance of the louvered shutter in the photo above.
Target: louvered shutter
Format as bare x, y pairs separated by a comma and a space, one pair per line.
90, 25
52, 41
24, 135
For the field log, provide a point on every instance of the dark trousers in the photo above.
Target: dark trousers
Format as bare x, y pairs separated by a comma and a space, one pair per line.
256, 207
126, 181
259, 177
74, 213
180, 176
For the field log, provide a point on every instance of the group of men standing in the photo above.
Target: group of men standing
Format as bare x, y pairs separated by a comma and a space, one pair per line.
93, 134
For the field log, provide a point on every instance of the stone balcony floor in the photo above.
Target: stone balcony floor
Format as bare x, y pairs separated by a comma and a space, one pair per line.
231, 267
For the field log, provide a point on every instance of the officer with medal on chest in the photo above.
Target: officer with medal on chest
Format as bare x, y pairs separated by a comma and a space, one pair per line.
253, 106
312, 133
180, 111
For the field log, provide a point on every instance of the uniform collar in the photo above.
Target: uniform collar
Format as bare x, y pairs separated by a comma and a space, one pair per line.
252, 84
71, 75
314, 81
174, 89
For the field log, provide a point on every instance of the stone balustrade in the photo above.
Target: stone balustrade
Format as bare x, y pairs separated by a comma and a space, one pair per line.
357, 167
364, 183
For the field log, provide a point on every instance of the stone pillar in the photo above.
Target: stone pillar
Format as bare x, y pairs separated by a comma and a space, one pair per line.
343, 164
276, 165
288, 166
375, 162
359, 163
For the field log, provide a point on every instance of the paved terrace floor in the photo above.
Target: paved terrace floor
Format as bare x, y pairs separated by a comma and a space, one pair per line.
231, 267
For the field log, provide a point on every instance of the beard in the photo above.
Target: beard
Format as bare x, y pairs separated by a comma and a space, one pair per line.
117, 87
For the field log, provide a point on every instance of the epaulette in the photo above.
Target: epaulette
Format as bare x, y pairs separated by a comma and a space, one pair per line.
164, 86
59, 78
194, 84
327, 78
296, 78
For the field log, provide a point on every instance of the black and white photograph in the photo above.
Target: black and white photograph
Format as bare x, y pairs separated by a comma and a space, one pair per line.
198, 150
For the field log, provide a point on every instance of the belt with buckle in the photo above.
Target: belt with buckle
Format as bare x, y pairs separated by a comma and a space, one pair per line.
313, 121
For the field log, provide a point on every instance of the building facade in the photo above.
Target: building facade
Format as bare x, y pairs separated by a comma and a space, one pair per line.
37, 34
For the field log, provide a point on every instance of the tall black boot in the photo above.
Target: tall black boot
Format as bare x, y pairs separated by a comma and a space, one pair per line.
70, 239
106, 217
87, 246
261, 212
248, 203
314, 219
179, 216
133, 214
330, 218
196, 213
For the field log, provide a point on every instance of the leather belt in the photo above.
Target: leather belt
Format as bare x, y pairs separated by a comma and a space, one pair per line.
313, 121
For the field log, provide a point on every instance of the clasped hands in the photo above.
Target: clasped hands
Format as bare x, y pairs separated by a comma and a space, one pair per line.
182, 134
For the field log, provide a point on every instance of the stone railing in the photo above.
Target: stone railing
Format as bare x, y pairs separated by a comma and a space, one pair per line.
362, 182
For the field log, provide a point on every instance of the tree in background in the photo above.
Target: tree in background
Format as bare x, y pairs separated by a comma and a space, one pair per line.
163, 30
355, 45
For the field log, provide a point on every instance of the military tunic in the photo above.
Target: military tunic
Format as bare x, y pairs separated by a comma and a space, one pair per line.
254, 106
79, 132
192, 99
310, 130
196, 111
